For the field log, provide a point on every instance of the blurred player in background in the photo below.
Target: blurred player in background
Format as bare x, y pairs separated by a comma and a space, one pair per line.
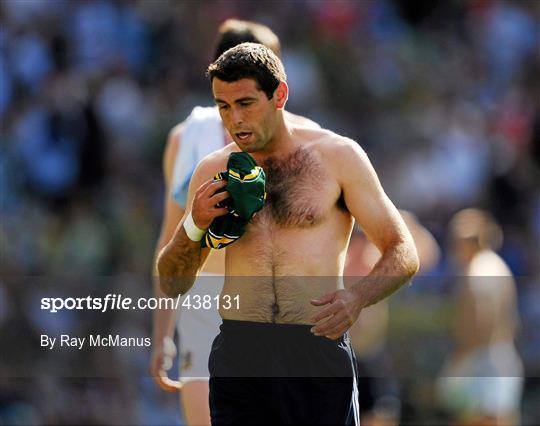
482, 381
378, 391
200, 134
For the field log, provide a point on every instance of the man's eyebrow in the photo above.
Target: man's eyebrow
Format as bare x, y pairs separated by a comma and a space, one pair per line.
244, 99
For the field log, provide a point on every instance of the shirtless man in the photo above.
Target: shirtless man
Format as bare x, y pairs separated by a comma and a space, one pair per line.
197, 328
483, 377
317, 184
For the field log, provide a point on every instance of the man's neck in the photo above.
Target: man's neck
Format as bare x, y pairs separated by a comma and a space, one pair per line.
281, 142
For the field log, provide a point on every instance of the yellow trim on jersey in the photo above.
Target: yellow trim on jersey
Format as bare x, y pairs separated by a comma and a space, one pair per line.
255, 172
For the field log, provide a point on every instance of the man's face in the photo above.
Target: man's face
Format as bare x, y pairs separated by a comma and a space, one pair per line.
247, 113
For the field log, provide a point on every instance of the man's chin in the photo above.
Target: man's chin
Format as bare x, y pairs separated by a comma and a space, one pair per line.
247, 147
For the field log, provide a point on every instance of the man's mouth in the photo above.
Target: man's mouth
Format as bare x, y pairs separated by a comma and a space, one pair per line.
243, 135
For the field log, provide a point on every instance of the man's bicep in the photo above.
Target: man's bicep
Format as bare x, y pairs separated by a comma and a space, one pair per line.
172, 211
172, 149
368, 203
172, 215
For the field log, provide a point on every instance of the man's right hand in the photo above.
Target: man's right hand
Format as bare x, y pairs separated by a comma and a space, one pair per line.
204, 209
161, 362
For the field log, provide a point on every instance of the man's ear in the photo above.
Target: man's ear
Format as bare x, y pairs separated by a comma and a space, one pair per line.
281, 94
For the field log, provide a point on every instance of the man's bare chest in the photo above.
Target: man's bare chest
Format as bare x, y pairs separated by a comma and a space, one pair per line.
300, 191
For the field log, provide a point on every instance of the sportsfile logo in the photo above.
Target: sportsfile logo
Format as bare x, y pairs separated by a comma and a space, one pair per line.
109, 302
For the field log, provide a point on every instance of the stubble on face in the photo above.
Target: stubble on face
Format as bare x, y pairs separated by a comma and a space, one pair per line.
246, 111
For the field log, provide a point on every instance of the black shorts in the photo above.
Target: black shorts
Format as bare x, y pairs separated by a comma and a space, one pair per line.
262, 373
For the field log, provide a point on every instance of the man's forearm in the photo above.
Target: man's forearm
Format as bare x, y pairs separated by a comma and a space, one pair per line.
395, 268
164, 318
178, 264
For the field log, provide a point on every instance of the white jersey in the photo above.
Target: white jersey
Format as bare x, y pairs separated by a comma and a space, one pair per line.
199, 320
202, 135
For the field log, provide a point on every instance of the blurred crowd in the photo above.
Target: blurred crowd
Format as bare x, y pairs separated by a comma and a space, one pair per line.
443, 96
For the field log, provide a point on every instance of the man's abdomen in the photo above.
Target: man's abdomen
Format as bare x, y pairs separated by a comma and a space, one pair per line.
278, 299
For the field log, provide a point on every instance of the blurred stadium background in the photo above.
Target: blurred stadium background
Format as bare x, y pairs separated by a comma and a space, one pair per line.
443, 96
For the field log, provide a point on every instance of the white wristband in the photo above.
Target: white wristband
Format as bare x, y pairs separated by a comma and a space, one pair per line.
193, 232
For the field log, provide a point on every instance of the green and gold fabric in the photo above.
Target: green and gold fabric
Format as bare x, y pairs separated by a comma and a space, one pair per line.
246, 185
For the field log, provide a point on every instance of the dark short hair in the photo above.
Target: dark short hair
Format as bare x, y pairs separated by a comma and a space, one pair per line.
249, 60
234, 31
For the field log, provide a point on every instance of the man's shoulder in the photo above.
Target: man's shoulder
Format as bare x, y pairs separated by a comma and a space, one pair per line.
175, 134
200, 113
344, 157
217, 160
331, 143
301, 121
198, 116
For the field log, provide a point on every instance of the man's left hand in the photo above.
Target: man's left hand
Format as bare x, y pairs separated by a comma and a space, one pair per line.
343, 310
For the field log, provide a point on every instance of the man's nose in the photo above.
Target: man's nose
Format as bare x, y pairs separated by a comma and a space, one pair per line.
237, 116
